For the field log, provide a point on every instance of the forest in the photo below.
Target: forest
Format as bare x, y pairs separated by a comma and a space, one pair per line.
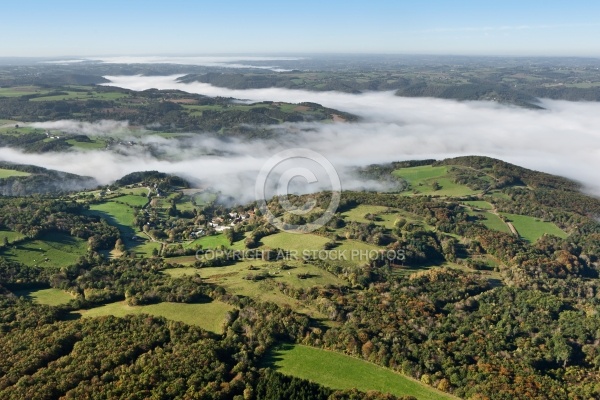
468, 310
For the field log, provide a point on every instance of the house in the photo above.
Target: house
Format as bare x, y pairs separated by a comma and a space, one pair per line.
197, 234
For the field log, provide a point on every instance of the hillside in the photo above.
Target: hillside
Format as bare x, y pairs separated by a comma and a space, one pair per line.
478, 277
163, 113
23, 180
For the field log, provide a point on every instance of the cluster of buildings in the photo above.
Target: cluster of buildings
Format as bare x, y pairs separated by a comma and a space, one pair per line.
218, 224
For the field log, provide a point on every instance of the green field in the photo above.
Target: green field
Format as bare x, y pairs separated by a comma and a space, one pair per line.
385, 216
422, 173
344, 253
209, 316
18, 91
118, 215
11, 130
423, 178
185, 204
49, 297
7, 173
235, 274
133, 200
358, 213
532, 229
77, 95
182, 260
10, 235
210, 242
143, 246
232, 278
483, 205
491, 221
339, 371
293, 241
184, 271
134, 190
121, 216
55, 249
204, 198
197, 110
494, 222
91, 145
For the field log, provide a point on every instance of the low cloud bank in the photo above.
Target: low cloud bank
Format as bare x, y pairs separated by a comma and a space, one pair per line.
564, 139
100, 128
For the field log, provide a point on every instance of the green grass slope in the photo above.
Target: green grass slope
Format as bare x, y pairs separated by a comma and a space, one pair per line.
339, 371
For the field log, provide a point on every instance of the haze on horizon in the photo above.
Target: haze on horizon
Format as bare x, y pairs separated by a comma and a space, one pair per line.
68, 28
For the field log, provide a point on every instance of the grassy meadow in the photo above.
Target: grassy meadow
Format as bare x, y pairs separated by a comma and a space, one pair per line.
422, 181
52, 249
531, 228
9, 235
209, 316
8, 173
49, 297
122, 216
339, 371
234, 279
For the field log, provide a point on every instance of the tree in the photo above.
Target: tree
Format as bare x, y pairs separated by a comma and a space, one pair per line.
230, 235
119, 246
444, 385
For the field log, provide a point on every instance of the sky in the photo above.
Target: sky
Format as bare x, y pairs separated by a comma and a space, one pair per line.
58, 28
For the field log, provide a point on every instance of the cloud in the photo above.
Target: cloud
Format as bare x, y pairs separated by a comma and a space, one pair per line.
100, 128
230, 166
563, 139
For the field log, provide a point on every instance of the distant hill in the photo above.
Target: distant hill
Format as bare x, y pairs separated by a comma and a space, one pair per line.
41, 181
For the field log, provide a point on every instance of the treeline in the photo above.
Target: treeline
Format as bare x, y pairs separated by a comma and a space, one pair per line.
296, 80
112, 357
42, 181
161, 110
160, 179
557, 194
470, 91
456, 84
45, 356
449, 330
514, 174
34, 217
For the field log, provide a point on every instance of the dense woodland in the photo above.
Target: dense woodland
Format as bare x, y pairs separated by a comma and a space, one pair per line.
154, 110
519, 82
533, 334
41, 181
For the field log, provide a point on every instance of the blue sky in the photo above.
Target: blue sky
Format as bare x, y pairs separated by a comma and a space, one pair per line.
134, 27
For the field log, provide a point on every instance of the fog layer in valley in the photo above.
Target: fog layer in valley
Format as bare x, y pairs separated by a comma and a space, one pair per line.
564, 139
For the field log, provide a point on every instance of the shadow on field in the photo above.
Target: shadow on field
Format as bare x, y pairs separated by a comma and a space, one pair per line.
126, 231
275, 355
